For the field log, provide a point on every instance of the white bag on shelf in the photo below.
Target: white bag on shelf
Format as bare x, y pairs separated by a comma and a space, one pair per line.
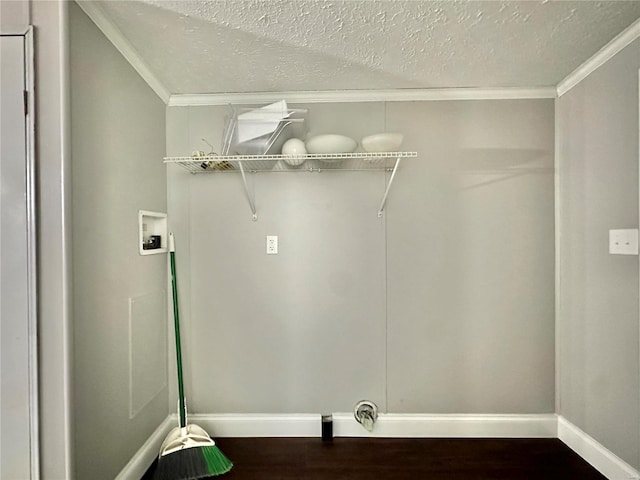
260, 131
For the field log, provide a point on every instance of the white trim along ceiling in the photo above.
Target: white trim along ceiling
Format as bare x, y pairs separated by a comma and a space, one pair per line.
120, 41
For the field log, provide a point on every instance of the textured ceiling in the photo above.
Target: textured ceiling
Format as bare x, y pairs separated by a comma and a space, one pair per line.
196, 47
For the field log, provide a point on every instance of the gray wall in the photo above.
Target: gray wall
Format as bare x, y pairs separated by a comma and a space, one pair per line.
118, 141
470, 259
444, 305
14, 13
303, 331
598, 321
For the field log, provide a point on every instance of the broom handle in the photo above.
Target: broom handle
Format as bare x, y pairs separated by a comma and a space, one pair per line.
176, 323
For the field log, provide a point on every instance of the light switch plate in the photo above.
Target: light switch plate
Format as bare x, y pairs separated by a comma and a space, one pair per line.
623, 242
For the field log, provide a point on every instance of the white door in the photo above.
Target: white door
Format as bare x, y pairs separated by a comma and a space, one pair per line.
16, 269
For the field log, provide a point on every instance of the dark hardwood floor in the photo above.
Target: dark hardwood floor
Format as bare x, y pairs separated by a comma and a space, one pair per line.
402, 459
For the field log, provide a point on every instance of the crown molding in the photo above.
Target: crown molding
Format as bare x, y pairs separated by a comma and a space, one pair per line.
341, 96
605, 54
115, 36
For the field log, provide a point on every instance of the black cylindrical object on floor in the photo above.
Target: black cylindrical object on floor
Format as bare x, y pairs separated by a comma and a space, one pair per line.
327, 428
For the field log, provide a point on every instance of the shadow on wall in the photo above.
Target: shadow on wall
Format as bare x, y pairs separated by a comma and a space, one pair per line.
492, 165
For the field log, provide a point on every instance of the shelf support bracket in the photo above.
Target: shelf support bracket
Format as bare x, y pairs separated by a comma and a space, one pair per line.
386, 192
252, 205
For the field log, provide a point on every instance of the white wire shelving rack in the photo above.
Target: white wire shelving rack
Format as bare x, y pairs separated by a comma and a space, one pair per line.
244, 164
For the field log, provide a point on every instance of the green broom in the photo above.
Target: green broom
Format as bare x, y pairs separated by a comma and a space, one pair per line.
188, 452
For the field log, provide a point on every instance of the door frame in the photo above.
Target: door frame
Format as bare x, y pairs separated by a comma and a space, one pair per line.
31, 197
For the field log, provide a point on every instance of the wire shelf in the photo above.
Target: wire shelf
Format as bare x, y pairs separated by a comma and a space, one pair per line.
377, 161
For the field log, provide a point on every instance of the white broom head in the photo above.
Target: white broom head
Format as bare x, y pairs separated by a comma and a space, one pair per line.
185, 437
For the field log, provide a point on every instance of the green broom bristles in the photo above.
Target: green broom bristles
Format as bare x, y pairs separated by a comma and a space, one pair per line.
192, 463
217, 462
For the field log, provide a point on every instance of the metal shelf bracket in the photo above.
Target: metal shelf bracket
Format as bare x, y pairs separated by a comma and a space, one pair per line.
386, 192
252, 204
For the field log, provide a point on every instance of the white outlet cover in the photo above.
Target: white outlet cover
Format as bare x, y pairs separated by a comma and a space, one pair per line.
623, 242
272, 244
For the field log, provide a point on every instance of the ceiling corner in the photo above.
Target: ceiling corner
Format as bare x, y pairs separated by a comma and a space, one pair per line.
606, 53
120, 42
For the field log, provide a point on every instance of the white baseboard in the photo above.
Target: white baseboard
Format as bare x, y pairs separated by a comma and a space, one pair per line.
388, 425
148, 452
449, 426
610, 465
258, 425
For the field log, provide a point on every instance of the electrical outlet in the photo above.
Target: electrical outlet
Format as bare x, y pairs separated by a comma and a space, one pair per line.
623, 242
272, 244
